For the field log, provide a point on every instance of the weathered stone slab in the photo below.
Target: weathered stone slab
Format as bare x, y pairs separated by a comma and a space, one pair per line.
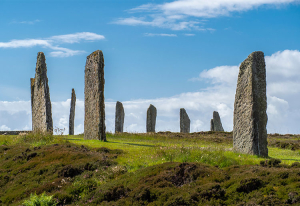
184, 121
72, 113
215, 123
40, 98
94, 119
250, 107
151, 118
119, 118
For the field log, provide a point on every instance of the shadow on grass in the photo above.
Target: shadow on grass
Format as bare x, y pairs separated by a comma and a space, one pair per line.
296, 160
132, 144
74, 139
142, 145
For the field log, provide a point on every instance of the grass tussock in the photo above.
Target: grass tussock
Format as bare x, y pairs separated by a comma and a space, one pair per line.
42, 200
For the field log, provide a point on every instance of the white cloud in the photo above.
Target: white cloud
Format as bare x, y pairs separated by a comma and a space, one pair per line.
15, 107
25, 43
215, 8
77, 37
283, 107
189, 34
221, 74
64, 52
53, 43
283, 88
166, 35
26, 22
283, 68
185, 14
283, 63
163, 22
4, 128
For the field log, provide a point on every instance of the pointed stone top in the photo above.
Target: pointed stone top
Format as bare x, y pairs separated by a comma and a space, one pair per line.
41, 59
183, 113
150, 106
216, 115
95, 58
41, 55
41, 69
257, 59
96, 54
256, 53
255, 56
216, 124
73, 93
184, 121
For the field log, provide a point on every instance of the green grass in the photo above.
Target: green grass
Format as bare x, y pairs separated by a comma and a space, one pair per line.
73, 170
143, 150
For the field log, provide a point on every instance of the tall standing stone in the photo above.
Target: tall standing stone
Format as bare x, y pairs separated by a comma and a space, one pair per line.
184, 121
250, 107
72, 113
40, 98
151, 118
119, 118
215, 123
94, 119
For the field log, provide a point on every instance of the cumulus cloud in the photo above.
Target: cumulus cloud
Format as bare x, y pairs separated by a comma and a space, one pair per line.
283, 107
283, 70
222, 74
54, 42
185, 14
4, 128
282, 88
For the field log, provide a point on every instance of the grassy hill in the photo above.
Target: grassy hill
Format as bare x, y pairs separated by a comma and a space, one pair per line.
148, 169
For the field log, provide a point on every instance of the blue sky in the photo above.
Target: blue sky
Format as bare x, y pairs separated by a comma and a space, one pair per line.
172, 54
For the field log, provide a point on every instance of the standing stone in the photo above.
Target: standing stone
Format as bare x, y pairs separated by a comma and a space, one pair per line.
215, 123
94, 119
40, 98
151, 118
72, 113
250, 107
32, 95
212, 125
119, 119
184, 121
